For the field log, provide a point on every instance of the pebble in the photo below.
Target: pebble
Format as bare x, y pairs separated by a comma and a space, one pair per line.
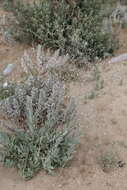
119, 58
8, 69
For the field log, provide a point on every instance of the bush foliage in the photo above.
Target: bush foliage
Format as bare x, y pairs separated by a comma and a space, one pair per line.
46, 133
74, 27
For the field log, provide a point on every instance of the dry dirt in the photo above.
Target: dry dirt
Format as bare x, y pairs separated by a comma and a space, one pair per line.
103, 122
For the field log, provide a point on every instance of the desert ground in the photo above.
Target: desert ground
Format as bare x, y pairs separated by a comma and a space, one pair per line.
101, 158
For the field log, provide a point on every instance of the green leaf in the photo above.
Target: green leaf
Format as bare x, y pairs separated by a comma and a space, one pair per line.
29, 109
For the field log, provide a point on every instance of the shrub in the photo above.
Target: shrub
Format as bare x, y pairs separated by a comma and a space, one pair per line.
46, 135
74, 28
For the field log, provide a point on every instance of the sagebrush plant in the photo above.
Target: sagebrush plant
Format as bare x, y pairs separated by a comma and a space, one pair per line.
74, 28
46, 135
42, 62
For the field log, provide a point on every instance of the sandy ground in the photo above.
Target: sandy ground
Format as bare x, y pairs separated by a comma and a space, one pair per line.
103, 122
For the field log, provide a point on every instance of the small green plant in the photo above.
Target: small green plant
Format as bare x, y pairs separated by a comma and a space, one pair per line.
46, 135
99, 84
96, 73
91, 95
74, 28
108, 161
98, 78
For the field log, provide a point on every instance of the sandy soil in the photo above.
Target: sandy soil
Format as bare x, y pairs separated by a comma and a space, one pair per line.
103, 122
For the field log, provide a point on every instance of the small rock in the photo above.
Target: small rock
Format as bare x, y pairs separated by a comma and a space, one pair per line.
121, 164
8, 69
119, 58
